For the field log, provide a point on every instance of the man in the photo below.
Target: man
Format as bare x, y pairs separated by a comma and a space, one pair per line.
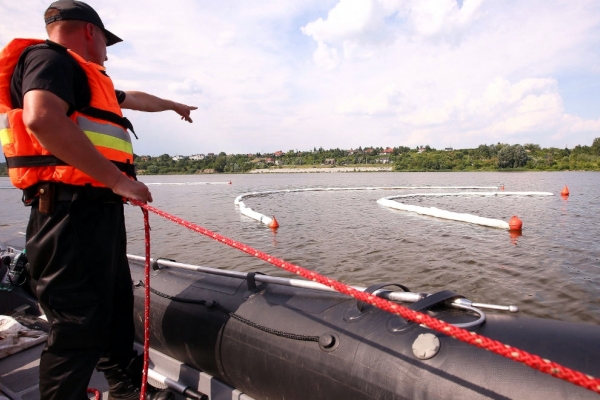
67, 146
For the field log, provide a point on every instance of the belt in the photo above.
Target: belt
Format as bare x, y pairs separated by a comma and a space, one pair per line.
63, 192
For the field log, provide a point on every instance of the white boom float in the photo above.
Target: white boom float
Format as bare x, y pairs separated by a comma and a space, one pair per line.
187, 183
470, 218
272, 222
389, 202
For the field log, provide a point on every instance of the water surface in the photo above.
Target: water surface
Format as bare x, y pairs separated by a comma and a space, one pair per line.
552, 270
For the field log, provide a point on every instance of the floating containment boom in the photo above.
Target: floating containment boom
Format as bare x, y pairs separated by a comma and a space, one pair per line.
389, 202
470, 218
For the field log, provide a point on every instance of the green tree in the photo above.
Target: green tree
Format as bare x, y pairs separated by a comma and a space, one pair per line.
220, 162
596, 146
512, 157
532, 147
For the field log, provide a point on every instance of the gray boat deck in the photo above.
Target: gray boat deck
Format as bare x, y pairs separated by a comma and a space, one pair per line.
19, 376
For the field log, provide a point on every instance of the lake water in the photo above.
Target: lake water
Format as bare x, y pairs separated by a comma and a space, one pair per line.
552, 270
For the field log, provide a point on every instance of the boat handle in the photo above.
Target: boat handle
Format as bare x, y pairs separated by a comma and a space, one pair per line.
466, 304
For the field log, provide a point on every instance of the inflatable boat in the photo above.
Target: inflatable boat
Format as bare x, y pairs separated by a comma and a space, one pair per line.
224, 334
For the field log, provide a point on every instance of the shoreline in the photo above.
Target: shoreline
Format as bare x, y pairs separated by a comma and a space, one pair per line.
319, 170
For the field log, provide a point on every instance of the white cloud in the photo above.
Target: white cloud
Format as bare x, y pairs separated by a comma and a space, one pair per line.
188, 86
506, 112
431, 17
326, 57
226, 38
502, 111
354, 25
387, 101
347, 19
574, 125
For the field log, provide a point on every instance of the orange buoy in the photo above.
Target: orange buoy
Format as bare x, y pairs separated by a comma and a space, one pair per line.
502, 187
565, 191
274, 224
515, 224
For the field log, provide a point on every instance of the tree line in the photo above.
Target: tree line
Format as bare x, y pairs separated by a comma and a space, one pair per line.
491, 157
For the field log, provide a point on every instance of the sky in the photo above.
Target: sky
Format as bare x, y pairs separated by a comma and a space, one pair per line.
270, 75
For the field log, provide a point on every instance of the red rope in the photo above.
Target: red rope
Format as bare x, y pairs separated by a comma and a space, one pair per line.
146, 313
531, 360
96, 393
146, 305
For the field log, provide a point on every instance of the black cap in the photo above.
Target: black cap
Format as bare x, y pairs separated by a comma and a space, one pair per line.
80, 11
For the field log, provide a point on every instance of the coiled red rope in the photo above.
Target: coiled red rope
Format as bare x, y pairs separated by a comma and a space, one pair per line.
512, 353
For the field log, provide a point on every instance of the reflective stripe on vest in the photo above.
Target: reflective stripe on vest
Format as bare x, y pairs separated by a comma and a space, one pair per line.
6, 136
106, 135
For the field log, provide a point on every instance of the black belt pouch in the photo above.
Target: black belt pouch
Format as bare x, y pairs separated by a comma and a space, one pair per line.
46, 202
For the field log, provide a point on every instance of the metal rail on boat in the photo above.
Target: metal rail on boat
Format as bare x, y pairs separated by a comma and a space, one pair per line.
397, 296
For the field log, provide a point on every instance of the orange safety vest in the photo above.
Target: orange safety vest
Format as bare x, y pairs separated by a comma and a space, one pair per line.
103, 122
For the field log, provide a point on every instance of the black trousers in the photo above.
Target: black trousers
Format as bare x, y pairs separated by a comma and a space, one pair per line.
80, 274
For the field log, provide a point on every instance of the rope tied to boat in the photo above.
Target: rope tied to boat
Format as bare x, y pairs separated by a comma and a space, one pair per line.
531, 360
